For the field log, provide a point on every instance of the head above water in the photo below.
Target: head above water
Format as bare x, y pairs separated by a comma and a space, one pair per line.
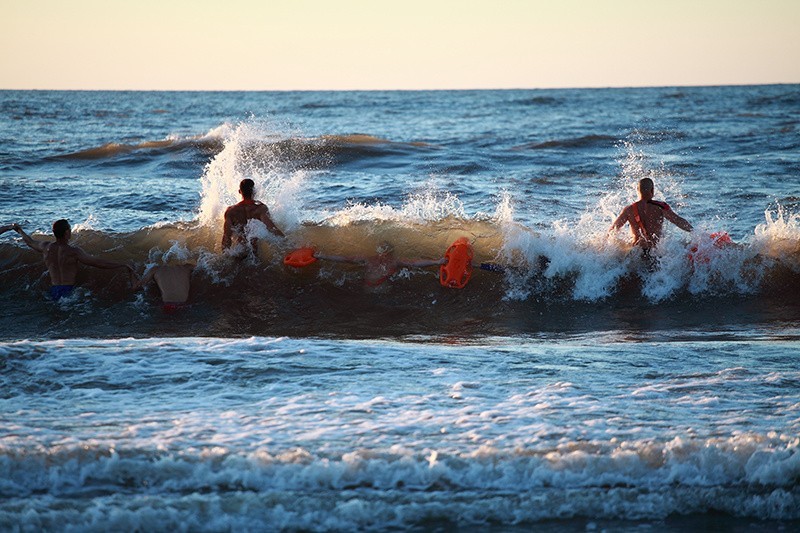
646, 188
246, 187
384, 248
61, 229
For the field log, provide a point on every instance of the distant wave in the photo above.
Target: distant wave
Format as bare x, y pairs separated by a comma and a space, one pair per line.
112, 150
316, 105
355, 146
788, 100
298, 152
586, 141
639, 136
538, 101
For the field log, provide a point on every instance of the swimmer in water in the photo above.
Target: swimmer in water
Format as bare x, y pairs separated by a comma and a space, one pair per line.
62, 259
237, 216
380, 267
173, 281
646, 218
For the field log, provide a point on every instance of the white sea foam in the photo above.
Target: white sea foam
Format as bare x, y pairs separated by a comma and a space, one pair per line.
746, 475
244, 155
126, 432
86, 225
429, 205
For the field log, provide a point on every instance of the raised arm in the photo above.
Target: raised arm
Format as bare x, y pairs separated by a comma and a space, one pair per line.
679, 221
36, 245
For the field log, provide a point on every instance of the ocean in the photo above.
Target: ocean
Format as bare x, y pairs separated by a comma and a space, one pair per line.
575, 387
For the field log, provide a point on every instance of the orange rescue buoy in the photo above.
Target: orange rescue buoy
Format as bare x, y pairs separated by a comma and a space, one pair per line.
456, 272
720, 239
300, 257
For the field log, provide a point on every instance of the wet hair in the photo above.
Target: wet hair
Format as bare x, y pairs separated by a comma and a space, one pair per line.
246, 187
646, 184
60, 228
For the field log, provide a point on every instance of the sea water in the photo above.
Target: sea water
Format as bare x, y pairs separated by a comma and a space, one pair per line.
576, 388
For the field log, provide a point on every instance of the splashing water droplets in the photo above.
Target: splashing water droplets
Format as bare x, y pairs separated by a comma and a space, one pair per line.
249, 152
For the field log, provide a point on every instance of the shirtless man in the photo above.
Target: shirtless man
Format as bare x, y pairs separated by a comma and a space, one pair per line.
62, 259
646, 218
172, 281
236, 217
382, 266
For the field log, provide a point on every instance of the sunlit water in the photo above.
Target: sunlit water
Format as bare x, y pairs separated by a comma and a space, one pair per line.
577, 390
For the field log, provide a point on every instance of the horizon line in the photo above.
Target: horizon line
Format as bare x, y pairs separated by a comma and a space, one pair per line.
588, 87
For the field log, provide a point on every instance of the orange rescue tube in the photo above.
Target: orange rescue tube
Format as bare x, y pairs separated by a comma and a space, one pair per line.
720, 239
456, 272
300, 257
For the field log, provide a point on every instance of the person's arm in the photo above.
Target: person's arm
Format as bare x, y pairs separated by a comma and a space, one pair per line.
148, 277
226, 232
267, 220
620, 221
679, 221
340, 258
419, 263
97, 262
36, 245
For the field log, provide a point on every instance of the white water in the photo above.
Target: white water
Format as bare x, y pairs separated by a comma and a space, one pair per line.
345, 433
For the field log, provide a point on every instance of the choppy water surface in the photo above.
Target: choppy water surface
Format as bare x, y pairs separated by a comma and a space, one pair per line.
353, 434
576, 390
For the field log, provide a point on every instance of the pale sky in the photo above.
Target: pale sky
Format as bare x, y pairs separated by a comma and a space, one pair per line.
395, 44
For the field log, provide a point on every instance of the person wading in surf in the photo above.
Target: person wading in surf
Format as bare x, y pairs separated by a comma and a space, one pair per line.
237, 216
646, 218
62, 259
380, 267
173, 281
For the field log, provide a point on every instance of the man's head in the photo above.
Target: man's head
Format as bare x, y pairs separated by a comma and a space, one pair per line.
646, 188
384, 248
61, 229
246, 187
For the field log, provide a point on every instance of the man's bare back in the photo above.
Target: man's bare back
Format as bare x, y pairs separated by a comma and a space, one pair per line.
62, 262
173, 281
646, 217
651, 217
62, 259
237, 216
